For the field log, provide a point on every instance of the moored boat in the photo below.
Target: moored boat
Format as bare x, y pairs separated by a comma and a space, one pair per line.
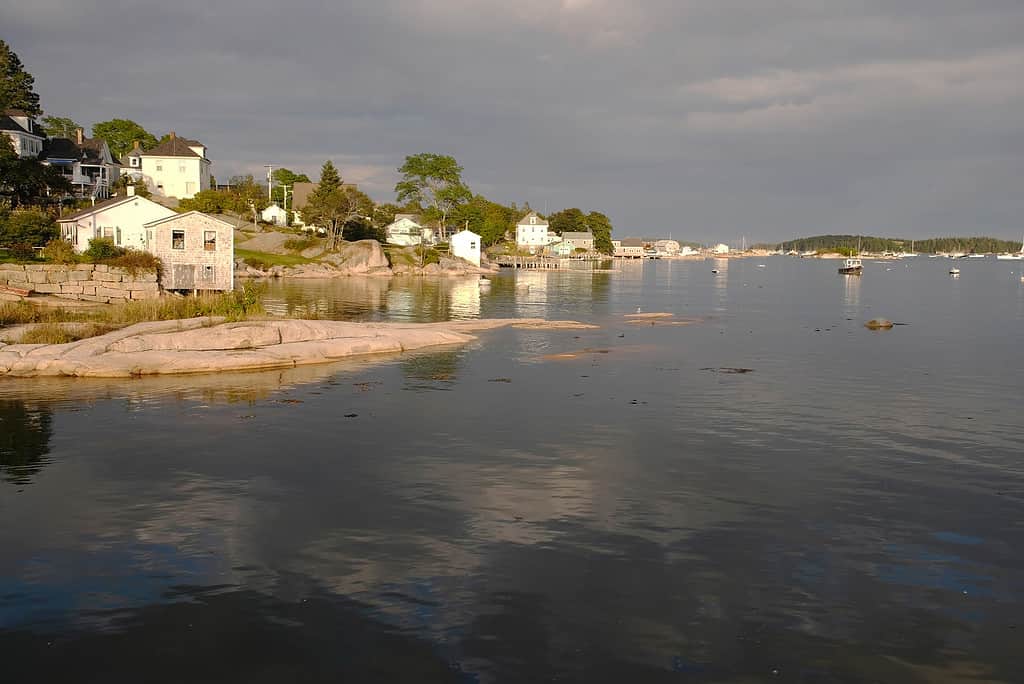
852, 266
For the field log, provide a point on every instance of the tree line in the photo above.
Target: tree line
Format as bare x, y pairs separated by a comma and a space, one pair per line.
876, 245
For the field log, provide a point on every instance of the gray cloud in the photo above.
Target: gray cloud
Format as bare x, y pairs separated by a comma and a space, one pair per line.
707, 120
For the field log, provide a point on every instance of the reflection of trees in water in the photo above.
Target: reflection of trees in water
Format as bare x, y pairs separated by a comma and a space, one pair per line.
24, 440
432, 367
334, 299
422, 300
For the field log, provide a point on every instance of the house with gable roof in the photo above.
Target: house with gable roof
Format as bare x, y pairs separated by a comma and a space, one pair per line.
177, 167
87, 163
532, 233
23, 131
122, 219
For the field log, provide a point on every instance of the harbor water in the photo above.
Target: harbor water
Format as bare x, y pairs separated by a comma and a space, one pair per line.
756, 489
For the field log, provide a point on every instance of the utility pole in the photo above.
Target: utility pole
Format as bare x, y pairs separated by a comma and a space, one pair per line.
270, 180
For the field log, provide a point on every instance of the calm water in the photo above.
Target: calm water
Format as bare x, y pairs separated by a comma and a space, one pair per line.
603, 505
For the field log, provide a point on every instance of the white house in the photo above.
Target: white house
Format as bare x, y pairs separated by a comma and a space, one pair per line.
720, 248
122, 219
466, 245
687, 250
532, 232
197, 251
275, 214
23, 131
405, 231
177, 167
86, 163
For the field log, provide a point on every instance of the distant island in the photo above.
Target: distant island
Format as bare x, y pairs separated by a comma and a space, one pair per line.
877, 245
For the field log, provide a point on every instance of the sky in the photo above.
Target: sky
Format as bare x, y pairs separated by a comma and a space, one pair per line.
711, 120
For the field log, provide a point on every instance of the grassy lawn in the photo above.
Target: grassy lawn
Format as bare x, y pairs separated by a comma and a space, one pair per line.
252, 257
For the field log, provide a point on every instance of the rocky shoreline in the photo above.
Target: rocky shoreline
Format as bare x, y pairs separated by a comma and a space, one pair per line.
360, 258
210, 345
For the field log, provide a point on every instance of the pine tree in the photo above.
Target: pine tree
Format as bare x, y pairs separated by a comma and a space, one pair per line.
16, 84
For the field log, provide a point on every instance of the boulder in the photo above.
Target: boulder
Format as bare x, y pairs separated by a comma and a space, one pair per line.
361, 257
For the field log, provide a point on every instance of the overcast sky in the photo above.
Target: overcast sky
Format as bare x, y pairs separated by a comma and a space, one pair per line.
706, 120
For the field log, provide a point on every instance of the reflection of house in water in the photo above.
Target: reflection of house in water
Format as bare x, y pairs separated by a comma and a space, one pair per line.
24, 440
465, 298
721, 283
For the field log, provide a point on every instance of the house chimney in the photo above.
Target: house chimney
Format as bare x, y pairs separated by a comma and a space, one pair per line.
173, 135
79, 135
135, 145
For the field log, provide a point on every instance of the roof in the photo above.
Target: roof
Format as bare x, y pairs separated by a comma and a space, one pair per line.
91, 149
175, 147
9, 124
570, 235
187, 214
540, 221
632, 242
301, 192
99, 206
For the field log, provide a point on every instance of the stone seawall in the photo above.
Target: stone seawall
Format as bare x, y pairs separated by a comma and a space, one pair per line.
83, 282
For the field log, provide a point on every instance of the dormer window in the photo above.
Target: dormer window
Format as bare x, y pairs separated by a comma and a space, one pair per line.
135, 162
533, 220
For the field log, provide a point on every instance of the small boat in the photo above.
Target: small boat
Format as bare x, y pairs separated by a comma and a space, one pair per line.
972, 255
761, 266
485, 282
852, 266
954, 272
715, 271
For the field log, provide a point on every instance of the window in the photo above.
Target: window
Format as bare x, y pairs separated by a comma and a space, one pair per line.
533, 220
472, 244
207, 273
107, 232
117, 236
159, 167
177, 239
210, 240
181, 168
135, 162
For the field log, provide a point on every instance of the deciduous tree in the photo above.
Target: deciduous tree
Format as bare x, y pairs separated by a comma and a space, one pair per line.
285, 178
27, 181
59, 126
434, 181
121, 135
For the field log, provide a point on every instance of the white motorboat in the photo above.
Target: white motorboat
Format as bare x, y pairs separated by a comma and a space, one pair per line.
954, 272
852, 266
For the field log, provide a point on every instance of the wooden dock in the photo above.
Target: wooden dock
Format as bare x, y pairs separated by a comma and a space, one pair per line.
537, 262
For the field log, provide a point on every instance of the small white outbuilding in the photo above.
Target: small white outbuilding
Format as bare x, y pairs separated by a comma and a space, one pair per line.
275, 214
466, 245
